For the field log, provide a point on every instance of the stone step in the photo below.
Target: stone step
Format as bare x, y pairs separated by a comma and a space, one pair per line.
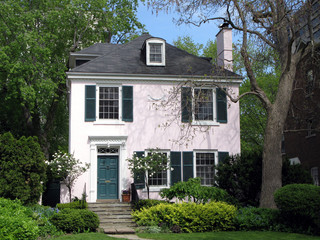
115, 217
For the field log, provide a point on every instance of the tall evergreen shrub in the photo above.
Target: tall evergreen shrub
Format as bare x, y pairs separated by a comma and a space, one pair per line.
22, 168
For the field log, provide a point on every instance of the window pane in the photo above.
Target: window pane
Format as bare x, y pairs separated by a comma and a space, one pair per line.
155, 52
205, 167
159, 178
109, 102
203, 104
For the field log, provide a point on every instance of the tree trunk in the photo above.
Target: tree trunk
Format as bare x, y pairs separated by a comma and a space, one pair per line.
272, 157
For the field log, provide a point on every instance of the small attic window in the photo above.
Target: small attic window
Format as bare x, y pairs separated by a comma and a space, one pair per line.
155, 53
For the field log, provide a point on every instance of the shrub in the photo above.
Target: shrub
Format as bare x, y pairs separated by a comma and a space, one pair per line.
42, 214
75, 220
16, 221
80, 204
299, 205
299, 199
146, 203
193, 190
188, 217
295, 173
22, 168
251, 218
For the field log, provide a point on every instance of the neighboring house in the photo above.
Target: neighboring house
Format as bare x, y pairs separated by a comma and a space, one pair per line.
301, 135
114, 92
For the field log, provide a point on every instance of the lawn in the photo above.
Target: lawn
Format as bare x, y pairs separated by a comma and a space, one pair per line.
229, 236
200, 236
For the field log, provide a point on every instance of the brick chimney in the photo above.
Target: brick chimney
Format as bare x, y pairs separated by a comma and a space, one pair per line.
224, 47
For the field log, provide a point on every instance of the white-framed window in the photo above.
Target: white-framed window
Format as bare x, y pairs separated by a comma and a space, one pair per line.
315, 175
155, 52
203, 104
309, 82
160, 179
310, 128
109, 104
205, 166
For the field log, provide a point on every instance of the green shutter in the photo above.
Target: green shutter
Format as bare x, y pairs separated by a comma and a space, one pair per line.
222, 156
127, 103
186, 104
175, 159
221, 106
90, 103
187, 165
139, 177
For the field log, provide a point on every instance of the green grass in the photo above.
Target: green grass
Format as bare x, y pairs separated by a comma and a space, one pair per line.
86, 236
228, 236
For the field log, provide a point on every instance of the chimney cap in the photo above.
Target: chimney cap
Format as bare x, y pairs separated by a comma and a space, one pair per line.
225, 24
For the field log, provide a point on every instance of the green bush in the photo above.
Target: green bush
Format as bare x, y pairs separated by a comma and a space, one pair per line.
188, 217
299, 199
75, 220
295, 173
22, 168
80, 204
193, 191
146, 203
299, 205
256, 219
16, 221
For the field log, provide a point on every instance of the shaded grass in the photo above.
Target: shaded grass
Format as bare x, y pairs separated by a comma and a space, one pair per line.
228, 236
86, 236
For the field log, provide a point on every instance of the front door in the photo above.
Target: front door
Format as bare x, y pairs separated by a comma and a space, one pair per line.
108, 177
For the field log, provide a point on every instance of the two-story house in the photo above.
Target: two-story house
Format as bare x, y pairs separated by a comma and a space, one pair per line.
115, 91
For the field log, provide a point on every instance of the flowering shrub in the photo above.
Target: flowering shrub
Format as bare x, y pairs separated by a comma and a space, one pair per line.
148, 165
67, 168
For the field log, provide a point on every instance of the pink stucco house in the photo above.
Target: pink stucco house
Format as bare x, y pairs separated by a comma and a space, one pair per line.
115, 91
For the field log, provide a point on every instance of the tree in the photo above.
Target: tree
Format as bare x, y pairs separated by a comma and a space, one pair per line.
272, 23
22, 168
187, 44
148, 166
35, 41
67, 168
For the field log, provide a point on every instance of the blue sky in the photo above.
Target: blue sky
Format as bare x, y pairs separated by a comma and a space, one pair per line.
162, 25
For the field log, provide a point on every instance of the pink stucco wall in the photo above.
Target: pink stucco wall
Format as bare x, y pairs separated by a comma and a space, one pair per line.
144, 132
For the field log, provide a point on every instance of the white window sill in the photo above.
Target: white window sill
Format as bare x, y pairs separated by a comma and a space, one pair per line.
205, 123
311, 135
109, 122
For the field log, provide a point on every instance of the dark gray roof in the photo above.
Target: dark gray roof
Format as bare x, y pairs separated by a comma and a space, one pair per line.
130, 58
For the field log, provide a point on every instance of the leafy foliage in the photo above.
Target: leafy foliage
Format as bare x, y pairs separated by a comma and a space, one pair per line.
189, 217
75, 220
149, 165
241, 176
256, 219
74, 205
193, 191
66, 167
35, 41
16, 221
22, 168
187, 44
146, 203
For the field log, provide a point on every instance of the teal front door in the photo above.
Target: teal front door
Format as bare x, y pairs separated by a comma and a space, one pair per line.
108, 177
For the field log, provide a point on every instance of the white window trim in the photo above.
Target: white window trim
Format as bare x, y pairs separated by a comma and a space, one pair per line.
163, 51
214, 112
153, 188
100, 121
216, 161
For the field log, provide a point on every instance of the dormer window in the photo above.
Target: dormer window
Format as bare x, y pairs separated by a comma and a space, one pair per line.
155, 53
